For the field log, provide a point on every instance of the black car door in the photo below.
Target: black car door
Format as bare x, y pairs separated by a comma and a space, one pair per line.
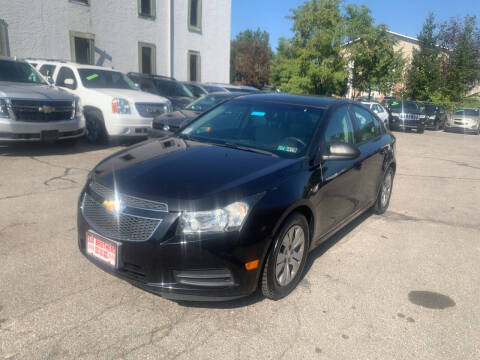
338, 196
373, 146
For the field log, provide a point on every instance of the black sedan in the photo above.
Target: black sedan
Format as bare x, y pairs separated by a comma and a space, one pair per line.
170, 122
238, 198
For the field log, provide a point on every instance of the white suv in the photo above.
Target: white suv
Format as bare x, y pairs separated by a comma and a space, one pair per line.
112, 104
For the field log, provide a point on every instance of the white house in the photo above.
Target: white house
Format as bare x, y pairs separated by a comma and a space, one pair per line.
186, 39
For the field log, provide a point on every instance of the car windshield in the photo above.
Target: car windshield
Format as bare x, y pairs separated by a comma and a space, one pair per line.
466, 112
429, 109
403, 106
280, 129
172, 88
105, 79
206, 102
17, 71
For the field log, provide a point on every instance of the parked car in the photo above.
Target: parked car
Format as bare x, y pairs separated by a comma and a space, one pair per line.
238, 198
199, 89
405, 115
112, 105
32, 110
168, 87
465, 120
435, 116
378, 109
165, 124
237, 88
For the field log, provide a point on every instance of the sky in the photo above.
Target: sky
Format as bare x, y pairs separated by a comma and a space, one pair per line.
401, 16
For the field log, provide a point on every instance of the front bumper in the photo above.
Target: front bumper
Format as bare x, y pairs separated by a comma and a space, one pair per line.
128, 125
207, 268
12, 130
461, 128
405, 124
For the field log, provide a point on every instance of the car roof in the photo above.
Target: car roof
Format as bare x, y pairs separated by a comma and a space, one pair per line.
300, 100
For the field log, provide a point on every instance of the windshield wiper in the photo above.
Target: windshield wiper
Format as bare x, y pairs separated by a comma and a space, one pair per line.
246, 148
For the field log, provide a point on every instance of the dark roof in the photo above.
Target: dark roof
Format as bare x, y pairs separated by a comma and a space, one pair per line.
301, 100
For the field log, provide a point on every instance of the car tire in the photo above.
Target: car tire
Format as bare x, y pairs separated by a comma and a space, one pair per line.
385, 192
286, 260
420, 129
95, 131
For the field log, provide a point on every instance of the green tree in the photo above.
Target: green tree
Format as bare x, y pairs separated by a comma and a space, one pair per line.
375, 64
312, 62
424, 74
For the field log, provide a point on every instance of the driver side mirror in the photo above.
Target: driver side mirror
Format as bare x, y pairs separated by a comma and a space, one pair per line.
69, 83
341, 151
50, 80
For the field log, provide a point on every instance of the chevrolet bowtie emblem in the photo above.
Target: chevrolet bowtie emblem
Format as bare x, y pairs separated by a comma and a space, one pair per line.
46, 109
113, 205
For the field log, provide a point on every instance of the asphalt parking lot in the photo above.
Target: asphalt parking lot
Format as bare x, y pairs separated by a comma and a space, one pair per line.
399, 286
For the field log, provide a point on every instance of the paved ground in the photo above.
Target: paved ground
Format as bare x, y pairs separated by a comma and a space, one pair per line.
399, 286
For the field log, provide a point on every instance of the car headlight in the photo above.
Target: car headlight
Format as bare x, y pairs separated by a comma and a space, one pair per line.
423, 116
3, 109
120, 106
432, 117
228, 219
395, 114
78, 107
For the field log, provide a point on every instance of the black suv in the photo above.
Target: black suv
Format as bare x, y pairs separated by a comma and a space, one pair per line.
434, 116
405, 115
164, 86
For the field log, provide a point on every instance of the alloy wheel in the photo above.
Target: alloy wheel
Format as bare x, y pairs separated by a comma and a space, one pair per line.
386, 188
290, 255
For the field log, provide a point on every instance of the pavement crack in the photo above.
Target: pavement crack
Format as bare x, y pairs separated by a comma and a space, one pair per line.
57, 166
63, 177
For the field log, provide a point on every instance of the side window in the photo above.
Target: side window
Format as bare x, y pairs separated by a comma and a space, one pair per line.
340, 128
47, 70
379, 108
368, 125
66, 78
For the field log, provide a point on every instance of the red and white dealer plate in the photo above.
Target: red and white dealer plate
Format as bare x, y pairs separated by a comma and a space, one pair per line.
101, 248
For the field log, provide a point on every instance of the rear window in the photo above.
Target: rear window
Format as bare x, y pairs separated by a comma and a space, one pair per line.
466, 112
172, 88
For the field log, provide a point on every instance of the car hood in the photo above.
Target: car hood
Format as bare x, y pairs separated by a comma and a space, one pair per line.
132, 95
15, 90
187, 174
175, 118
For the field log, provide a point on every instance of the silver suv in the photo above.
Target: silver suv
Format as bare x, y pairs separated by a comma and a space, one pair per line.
32, 110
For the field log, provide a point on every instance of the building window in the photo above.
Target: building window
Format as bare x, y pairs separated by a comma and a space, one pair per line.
195, 15
146, 8
3, 39
147, 58
82, 47
194, 66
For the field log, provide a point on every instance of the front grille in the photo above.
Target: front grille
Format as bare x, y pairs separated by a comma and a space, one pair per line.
117, 226
127, 200
43, 111
150, 109
409, 116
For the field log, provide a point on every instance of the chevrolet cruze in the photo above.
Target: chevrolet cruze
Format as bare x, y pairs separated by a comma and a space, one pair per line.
237, 199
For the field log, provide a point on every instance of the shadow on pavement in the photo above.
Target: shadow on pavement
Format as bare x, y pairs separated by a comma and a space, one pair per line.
59, 148
257, 295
